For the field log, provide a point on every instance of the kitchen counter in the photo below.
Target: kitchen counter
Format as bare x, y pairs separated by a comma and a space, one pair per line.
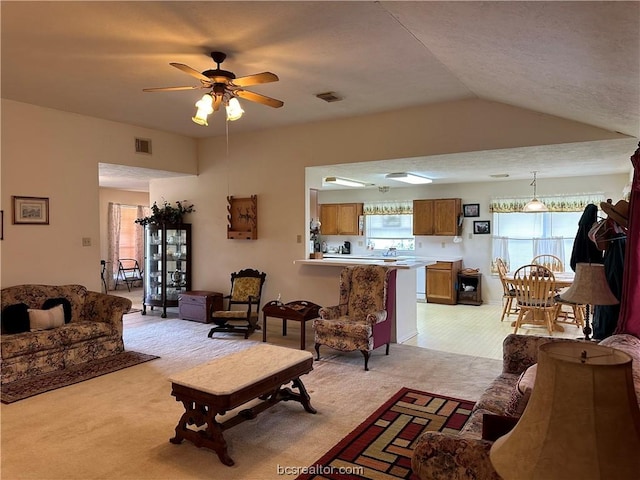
404, 263
406, 318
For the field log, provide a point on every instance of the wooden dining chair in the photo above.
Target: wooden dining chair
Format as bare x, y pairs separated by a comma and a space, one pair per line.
552, 262
508, 292
535, 287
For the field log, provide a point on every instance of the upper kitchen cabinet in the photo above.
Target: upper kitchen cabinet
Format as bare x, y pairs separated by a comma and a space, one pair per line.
436, 216
340, 218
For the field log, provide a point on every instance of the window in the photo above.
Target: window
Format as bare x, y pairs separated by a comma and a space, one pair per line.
518, 236
389, 231
128, 229
525, 235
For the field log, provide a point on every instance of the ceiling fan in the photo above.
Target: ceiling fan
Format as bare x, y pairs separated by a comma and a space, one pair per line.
224, 87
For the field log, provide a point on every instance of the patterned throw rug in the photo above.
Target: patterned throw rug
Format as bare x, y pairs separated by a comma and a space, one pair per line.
380, 447
21, 389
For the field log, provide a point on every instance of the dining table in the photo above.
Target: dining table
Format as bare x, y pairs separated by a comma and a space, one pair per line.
563, 281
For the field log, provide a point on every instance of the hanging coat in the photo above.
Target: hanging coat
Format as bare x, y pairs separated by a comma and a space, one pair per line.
605, 317
584, 250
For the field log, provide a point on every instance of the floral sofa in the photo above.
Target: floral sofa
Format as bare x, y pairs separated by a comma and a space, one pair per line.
465, 456
92, 330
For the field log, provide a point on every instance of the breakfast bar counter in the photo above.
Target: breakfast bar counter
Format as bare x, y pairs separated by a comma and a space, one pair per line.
406, 317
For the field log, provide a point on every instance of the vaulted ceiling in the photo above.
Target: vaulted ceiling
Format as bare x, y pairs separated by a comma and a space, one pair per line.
575, 60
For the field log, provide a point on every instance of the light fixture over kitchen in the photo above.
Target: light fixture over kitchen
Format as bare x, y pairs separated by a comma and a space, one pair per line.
535, 205
409, 178
345, 182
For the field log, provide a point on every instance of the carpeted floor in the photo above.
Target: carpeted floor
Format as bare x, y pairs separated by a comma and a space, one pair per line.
381, 445
28, 387
119, 425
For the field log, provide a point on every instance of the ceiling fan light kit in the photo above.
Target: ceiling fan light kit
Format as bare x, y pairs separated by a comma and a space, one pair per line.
345, 182
534, 205
224, 88
409, 178
205, 108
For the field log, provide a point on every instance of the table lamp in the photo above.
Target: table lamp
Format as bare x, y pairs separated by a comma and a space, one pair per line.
589, 287
582, 421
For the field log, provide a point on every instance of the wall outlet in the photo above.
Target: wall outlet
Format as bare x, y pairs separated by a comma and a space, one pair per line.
360, 243
299, 239
86, 241
419, 244
470, 236
443, 245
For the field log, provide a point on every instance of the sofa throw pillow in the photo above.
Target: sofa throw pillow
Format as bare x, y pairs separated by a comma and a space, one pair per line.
522, 392
15, 319
66, 305
46, 319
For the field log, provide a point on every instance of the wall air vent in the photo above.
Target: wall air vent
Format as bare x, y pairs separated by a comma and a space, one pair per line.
329, 97
143, 145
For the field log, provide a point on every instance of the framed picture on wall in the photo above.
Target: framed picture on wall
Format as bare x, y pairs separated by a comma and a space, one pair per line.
471, 210
481, 227
30, 210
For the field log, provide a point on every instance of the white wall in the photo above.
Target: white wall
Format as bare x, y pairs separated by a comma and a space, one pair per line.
54, 154
271, 164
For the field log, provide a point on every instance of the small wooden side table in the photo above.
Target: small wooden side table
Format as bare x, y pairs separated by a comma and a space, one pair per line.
299, 310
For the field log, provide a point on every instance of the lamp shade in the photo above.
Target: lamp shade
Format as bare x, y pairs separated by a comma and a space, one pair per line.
582, 420
590, 286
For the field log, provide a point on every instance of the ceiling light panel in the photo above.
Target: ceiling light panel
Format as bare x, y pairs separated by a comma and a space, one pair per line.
409, 178
345, 182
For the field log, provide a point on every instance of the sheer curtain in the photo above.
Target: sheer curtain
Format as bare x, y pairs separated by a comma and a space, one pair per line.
142, 211
113, 239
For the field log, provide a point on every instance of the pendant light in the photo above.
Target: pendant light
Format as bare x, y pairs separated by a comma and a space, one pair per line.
535, 205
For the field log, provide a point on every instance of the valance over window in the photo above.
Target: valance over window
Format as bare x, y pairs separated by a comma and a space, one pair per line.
555, 203
398, 207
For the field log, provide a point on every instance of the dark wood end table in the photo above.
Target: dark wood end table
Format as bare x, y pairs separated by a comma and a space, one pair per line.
300, 311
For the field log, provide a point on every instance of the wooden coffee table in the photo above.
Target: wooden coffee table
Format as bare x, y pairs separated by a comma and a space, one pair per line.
228, 382
301, 311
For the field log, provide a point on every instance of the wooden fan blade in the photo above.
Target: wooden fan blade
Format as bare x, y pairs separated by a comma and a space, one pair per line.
217, 102
258, 78
167, 89
256, 97
191, 71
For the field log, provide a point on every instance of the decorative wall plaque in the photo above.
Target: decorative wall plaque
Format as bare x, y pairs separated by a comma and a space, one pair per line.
243, 218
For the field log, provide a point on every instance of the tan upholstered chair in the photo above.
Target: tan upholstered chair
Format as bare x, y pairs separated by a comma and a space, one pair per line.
535, 290
243, 304
552, 262
508, 292
364, 317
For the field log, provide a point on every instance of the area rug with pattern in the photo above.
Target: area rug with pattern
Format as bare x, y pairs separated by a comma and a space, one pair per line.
28, 387
381, 446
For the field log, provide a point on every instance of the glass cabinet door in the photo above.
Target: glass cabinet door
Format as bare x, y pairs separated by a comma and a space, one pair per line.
167, 265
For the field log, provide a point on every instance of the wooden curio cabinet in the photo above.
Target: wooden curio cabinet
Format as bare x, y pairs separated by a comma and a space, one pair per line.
167, 265
340, 218
436, 217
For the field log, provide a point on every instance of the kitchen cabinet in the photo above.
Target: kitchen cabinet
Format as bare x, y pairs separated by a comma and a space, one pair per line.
442, 282
167, 265
436, 216
340, 218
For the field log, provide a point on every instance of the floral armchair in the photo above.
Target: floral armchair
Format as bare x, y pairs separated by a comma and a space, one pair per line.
363, 319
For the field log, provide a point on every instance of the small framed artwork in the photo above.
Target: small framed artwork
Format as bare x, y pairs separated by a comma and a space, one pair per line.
30, 210
481, 227
471, 210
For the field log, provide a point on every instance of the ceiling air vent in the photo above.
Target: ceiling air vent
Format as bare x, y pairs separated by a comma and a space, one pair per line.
143, 145
329, 97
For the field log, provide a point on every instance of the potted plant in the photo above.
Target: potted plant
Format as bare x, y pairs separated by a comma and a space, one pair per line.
167, 214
